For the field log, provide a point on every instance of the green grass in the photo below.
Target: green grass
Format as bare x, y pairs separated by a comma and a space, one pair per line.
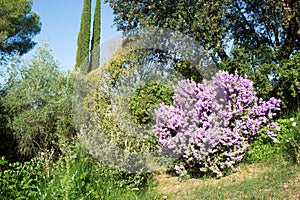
267, 180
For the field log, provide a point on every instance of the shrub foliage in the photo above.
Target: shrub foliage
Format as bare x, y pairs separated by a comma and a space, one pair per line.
210, 125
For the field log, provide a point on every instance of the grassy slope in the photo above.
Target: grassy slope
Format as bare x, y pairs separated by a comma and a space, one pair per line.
269, 180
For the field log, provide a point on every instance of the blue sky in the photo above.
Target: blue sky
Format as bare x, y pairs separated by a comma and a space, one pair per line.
60, 24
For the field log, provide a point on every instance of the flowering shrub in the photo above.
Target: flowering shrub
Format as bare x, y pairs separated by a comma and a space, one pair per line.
210, 125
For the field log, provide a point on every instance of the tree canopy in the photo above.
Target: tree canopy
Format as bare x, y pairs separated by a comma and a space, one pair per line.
19, 24
249, 24
255, 37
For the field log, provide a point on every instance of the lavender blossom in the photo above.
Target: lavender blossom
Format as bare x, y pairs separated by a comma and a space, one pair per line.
212, 124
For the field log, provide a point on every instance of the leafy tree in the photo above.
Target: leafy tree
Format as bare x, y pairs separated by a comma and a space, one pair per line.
83, 40
19, 24
95, 43
250, 24
254, 36
38, 103
123, 96
7, 142
288, 84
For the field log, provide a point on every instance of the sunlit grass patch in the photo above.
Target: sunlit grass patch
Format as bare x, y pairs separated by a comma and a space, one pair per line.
253, 181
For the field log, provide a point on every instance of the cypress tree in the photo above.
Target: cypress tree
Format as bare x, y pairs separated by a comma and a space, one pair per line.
95, 42
83, 40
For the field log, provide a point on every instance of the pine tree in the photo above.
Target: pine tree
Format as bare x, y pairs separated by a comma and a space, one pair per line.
83, 40
95, 42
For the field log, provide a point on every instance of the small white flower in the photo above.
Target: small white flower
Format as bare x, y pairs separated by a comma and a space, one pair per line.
292, 119
294, 124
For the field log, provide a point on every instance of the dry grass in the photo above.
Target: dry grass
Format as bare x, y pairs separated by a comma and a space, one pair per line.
168, 184
292, 187
253, 181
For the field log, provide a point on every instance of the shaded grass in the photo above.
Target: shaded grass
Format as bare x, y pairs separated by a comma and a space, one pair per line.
267, 180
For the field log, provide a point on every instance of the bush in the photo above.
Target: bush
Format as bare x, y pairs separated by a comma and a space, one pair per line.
74, 175
288, 145
37, 103
18, 182
145, 98
210, 126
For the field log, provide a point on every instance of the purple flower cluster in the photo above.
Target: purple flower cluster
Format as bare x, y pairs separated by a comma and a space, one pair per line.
210, 125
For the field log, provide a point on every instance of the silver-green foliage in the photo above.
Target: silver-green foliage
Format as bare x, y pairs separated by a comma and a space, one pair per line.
38, 102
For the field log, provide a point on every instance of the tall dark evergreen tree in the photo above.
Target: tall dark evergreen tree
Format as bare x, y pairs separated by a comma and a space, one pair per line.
95, 43
83, 40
